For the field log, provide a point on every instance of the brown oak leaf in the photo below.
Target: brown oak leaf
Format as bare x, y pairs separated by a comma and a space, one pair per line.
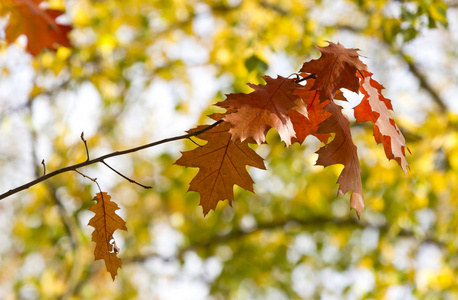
105, 222
342, 150
335, 69
39, 25
375, 108
266, 107
222, 163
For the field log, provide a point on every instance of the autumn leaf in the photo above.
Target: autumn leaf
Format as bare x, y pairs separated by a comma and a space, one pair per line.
335, 69
39, 25
105, 222
342, 150
222, 163
375, 108
266, 107
307, 117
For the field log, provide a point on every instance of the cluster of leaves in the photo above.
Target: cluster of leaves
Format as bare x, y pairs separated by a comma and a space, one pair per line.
293, 109
296, 111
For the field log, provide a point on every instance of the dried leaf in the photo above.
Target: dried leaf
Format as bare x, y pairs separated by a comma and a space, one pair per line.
105, 222
342, 150
39, 25
375, 108
266, 107
335, 69
222, 163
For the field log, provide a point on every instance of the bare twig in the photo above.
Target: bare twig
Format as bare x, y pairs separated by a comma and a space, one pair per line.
189, 138
101, 158
85, 145
44, 167
127, 178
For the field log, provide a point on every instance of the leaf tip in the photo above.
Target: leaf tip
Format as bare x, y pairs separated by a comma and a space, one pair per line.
357, 203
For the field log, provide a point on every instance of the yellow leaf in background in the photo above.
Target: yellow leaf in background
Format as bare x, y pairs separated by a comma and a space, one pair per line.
105, 222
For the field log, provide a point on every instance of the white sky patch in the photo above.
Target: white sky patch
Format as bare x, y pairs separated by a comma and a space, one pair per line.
305, 280
204, 23
403, 254
369, 239
429, 257
190, 51
166, 240
16, 78
183, 288
83, 111
399, 292
248, 223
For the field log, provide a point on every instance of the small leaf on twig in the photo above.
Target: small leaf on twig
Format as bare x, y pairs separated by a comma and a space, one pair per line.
105, 222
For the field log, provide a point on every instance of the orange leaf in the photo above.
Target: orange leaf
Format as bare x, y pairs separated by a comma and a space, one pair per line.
267, 107
375, 108
335, 69
105, 222
37, 24
222, 163
306, 122
342, 150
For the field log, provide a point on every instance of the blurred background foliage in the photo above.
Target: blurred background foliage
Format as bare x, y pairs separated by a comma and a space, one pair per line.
145, 70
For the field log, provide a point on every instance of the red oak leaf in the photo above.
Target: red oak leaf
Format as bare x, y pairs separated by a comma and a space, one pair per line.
375, 108
307, 117
39, 25
342, 150
266, 107
222, 163
335, 69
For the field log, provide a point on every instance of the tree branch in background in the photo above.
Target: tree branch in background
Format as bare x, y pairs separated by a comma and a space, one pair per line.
75, 167
320, 222
413, 68
423, 81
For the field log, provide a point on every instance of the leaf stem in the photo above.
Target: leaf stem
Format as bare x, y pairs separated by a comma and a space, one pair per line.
306, 77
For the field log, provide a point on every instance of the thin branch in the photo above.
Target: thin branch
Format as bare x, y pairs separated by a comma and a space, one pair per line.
189, 138
127, 178
85, 145
101, 158
44, 167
